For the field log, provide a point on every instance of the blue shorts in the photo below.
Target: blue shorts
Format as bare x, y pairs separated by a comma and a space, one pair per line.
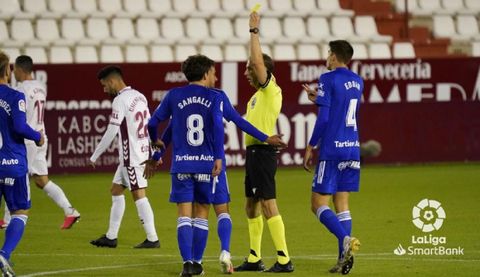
16, 192
336, 176
221, 191
192, 187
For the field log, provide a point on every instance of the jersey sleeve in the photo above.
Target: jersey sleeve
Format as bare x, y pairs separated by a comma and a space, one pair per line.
219, 133
118, 112
325, 90
320, 125
162, 112
230, 114
110, 133
20, 120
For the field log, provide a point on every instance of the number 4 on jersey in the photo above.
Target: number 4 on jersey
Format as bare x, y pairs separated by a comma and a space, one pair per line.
351, 119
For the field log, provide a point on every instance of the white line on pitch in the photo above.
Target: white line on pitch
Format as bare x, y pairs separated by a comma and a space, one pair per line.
371, 256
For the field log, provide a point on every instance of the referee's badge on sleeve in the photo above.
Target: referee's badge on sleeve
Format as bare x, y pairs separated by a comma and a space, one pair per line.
21, 105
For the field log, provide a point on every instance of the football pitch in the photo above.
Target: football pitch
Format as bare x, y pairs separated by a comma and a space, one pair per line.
381, 212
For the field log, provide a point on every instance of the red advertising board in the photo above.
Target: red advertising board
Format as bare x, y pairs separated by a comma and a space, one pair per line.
420, 110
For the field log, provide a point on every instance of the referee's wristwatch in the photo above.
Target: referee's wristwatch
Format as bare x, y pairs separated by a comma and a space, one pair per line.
254, 30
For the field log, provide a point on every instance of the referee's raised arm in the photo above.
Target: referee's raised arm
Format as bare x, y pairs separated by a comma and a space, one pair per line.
256, 57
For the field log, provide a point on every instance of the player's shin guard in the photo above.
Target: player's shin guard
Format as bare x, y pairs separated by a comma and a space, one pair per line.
185, 237
13, 234
328, 218
224, 230
277, 231
116, 215
200, 236
58, 196
145, 213
255, 229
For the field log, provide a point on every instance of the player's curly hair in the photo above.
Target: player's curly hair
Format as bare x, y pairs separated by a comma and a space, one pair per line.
342, 49
195, 67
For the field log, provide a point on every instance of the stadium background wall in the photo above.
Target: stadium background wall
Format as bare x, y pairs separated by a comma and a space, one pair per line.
420, 110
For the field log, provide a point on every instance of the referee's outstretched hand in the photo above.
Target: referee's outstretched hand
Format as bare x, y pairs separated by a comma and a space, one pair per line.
276, 140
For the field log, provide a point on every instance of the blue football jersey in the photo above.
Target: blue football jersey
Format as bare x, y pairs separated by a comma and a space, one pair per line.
340, 90
230, 114
13, 131
197, 127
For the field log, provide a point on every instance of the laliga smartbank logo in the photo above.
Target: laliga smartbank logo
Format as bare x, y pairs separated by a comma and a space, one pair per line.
428, 216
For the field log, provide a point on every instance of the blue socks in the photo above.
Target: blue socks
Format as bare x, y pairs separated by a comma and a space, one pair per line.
346, 221
200, 236
224, 230
330, 220
13, 234
185, 237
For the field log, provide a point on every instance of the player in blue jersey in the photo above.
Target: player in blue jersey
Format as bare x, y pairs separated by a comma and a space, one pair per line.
14, 186
336, 134
222, 194
197, 135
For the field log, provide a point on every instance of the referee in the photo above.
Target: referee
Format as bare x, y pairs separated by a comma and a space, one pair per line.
261, 161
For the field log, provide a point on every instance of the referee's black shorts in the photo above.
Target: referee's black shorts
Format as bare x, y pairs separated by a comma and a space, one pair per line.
260, 169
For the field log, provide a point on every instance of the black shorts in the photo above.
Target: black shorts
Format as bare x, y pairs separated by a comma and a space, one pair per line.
260, 169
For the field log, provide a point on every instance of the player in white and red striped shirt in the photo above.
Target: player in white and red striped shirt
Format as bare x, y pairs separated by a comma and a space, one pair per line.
129, 120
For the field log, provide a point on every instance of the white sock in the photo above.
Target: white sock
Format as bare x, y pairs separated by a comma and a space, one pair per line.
116, 215
6, 215
145, 213
58, 196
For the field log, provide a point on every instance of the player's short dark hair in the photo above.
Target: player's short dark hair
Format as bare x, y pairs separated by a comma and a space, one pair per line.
25, 63
195, 67
4, 63
109, 70
342, 49
269, 64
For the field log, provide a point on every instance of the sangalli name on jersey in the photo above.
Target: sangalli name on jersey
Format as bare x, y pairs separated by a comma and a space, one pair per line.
194, 100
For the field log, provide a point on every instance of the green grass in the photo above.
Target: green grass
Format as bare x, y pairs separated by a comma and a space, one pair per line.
381, 214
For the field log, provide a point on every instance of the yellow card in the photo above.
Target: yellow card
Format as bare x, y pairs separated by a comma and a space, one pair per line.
255, 8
